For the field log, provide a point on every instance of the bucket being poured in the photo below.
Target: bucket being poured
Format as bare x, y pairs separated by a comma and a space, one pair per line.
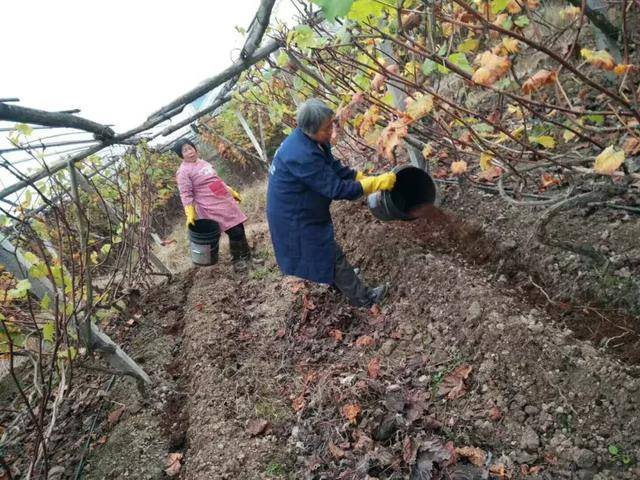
204, 236
414, 188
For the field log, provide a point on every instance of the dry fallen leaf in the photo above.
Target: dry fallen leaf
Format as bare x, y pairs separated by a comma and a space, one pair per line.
296, 287
364, 341
539, 79
409, 451
373, 369
608, 161
499, 471
495, 414
115, 415
335, 334
632, 146
257, 427
491, 174
548, 180
351, 411
459, 168
173, 464
298, 403
336, 451
453, 385
427, 151
472, 454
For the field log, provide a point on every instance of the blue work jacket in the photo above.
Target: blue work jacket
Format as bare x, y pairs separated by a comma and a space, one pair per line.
303, 180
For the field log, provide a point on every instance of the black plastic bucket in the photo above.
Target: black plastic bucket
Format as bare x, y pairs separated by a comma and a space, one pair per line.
414, 188
204, 237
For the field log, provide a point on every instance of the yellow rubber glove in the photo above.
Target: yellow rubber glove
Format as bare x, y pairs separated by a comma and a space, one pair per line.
360, 176
235, 194
190, 212
386, 181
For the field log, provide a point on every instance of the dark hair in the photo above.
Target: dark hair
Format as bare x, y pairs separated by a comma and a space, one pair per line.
177, 147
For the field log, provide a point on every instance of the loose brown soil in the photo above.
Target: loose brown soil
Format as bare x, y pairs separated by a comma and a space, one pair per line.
482, 363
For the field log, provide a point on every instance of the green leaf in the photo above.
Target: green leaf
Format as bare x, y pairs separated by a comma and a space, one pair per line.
613, 450
597, 119
521, 21
31, 258
21, 290
283, 59
38, 271
302, 36
626, 459
24, 129
363, 10
460, 61
45, 303
48, 330
483, 128
106, 248
429, 66
26, 203
507, 24
334, 8
498, 5
70, 353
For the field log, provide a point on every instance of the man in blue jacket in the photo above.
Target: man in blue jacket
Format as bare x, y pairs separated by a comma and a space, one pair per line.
304, 179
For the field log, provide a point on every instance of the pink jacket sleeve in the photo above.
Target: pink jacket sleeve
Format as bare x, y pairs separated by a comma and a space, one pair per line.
185, 187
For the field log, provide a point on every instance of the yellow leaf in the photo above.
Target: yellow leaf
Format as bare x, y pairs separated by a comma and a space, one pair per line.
458, 168
447, 29
570, 13
391, 136
369, 120
621, 69
492, 67
511, 45
515, 110
568, 135
469, 45
600, 58
539, 79
420, 106
608, 161
513, 7
544, 140
485, 161
427, 151
517, 132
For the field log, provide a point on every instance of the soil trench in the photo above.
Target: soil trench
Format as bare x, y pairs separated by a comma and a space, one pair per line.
459, 374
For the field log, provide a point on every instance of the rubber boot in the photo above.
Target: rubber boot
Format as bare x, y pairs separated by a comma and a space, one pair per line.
240, 255
377, 294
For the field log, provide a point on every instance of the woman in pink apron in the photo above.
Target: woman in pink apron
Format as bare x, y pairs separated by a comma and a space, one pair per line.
205, 195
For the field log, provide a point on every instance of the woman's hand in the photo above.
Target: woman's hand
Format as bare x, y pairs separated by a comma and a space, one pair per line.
235, 194
190, 212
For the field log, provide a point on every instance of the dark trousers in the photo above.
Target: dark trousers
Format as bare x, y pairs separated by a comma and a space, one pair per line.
238, 243
348, 283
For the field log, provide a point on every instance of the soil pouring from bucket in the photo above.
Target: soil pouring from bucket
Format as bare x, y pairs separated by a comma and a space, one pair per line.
204, 236
414, 191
